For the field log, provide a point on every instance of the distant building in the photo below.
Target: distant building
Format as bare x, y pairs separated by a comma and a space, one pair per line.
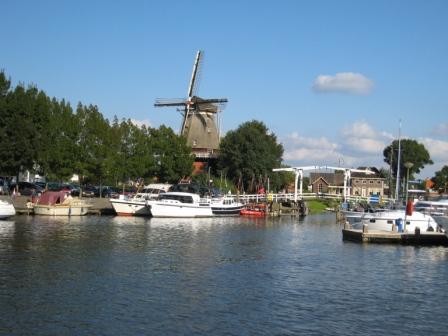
327, 183
360, 184
367, 185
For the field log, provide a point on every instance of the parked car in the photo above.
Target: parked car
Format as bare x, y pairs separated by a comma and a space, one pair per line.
88, 191
26, 188
4, 190
107, 192
73, 190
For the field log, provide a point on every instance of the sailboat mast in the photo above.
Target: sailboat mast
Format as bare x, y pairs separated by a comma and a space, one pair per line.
397, 186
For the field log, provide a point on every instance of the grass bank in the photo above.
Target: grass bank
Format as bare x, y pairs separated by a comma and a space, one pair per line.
319, 206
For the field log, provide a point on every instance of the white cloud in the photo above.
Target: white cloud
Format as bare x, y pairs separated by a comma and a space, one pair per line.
360, 137
359, 129
359, 144
345, 82
365, 145
306, 150
322, 142
141, 123
438, 149
441, 129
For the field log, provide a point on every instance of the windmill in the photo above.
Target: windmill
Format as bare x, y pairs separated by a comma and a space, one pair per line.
200, 124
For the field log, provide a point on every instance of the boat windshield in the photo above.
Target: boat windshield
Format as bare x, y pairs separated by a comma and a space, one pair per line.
180, 198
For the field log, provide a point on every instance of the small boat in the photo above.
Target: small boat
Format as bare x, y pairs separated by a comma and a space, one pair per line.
60, 203
386, 220
226, 206
438, 207
136, 205
6, 209
181, 205
442, 221
254, 210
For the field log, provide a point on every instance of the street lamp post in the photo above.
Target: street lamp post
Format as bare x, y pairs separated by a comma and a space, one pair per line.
408, 166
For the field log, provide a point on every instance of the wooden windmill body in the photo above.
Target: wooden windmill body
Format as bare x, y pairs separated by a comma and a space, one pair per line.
200, 121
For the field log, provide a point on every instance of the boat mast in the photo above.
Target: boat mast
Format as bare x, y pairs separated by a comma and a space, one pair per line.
397, 186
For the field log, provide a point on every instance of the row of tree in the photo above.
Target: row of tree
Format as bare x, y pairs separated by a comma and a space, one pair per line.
46, 136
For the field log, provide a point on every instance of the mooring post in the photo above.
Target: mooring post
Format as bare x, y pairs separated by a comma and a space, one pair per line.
365, 228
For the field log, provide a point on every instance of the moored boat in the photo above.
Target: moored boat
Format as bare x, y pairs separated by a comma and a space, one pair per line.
59, 203
388, 219
226, 206
442, 221
6, 209
438, 207
180, 204
254, 210
136, 205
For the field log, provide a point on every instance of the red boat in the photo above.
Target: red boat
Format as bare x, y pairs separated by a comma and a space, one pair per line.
258, 210
253, 213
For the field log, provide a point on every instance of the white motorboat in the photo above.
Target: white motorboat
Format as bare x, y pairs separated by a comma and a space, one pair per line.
226, 206
438, 207
180, 204
6, 209
136, 205
386, 220
442, 221
60, 203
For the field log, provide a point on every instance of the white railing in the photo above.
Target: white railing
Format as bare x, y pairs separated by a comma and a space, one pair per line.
249, 198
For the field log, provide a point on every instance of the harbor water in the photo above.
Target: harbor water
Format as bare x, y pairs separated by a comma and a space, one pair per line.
218, 276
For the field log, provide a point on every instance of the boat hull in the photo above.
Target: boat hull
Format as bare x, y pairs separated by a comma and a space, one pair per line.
442, 221
253, 213
130, 208
61, 210
227, 211
386, 220
173, 210
6, 210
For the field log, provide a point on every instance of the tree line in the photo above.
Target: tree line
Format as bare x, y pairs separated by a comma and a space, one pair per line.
47, 136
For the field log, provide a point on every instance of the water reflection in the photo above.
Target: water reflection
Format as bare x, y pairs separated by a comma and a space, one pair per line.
128, 276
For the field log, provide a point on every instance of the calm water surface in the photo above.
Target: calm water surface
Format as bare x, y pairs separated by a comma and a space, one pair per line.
217, 276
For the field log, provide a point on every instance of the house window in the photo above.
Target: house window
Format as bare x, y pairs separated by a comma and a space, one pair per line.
364, 181
319, 187
371, 182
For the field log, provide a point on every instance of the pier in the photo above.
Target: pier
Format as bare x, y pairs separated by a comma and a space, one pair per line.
385, 237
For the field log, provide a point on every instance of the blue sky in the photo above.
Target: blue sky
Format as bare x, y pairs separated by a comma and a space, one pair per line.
331, 79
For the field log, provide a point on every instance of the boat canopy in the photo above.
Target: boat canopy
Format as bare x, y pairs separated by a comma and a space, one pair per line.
53, 197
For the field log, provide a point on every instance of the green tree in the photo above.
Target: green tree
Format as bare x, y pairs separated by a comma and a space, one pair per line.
249, 154
133, 154
58, 156
411, 151
94, 143
5, 85
440, 179
22, 119
173, 157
